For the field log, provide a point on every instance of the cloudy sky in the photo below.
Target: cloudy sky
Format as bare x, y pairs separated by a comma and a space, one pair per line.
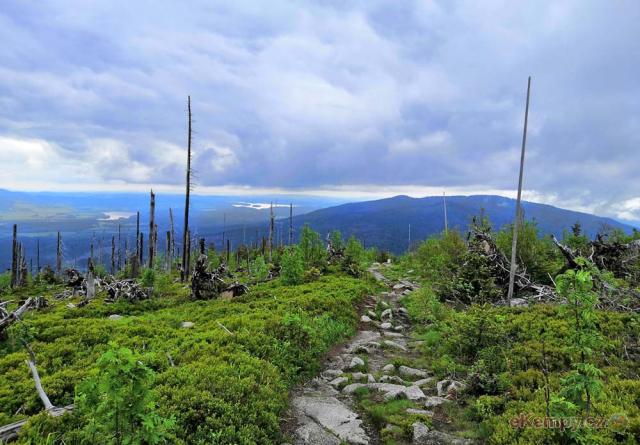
357, 98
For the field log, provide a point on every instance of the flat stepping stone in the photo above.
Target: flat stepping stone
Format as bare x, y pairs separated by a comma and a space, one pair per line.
334, 416
406, 371
393, 344
390, 390
338, 381
424, 382
434, 401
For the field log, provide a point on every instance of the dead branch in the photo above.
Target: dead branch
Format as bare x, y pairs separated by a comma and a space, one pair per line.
15, 315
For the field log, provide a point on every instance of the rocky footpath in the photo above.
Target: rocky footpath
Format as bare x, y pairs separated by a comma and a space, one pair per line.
325, 410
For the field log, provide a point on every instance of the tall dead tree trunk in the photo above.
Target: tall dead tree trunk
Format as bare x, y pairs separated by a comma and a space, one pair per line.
271, 229
14, 257
59, 257
514, 244
173, 238
138, 234
24, 272
168, 257
113, 255
38, 255
228, 249
184, 273
119, 247
141, 259
152, 229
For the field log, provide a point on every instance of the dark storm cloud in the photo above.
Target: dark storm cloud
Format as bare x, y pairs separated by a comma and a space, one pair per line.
326, 94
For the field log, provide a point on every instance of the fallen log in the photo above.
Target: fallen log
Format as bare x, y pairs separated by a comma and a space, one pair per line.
15, 315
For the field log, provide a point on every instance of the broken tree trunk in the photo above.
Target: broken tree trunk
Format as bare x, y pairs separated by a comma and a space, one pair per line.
514, 244
168, 257
59, 257
152, 226
271, 229
138, 234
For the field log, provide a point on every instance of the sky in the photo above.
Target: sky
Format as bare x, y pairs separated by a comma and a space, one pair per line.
342, 98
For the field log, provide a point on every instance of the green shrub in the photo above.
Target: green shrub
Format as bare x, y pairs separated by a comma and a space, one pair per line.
292, 271
118, 405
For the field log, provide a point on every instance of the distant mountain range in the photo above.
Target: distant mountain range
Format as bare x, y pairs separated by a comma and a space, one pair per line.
383, 223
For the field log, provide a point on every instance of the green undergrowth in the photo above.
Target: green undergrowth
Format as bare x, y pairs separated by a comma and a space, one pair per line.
233, 368
503, 353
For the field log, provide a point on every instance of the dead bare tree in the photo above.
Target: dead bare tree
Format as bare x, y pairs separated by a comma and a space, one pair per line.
113, 255
514, 244
138, 233
59, 257
152, 227
168, 258
173, 239
184, 273
271, 229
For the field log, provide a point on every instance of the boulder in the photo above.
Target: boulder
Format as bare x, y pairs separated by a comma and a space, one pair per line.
365, 319
386, 314
115, 317
385, 325
187, 324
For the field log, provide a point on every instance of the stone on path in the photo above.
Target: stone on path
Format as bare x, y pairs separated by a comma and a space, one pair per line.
333, 416
365, 319
338, 381
387, 369
385, 325
355, 362
393, 344
434, 401
424, 382
331, 374
386, 314
390, 390
406, 371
